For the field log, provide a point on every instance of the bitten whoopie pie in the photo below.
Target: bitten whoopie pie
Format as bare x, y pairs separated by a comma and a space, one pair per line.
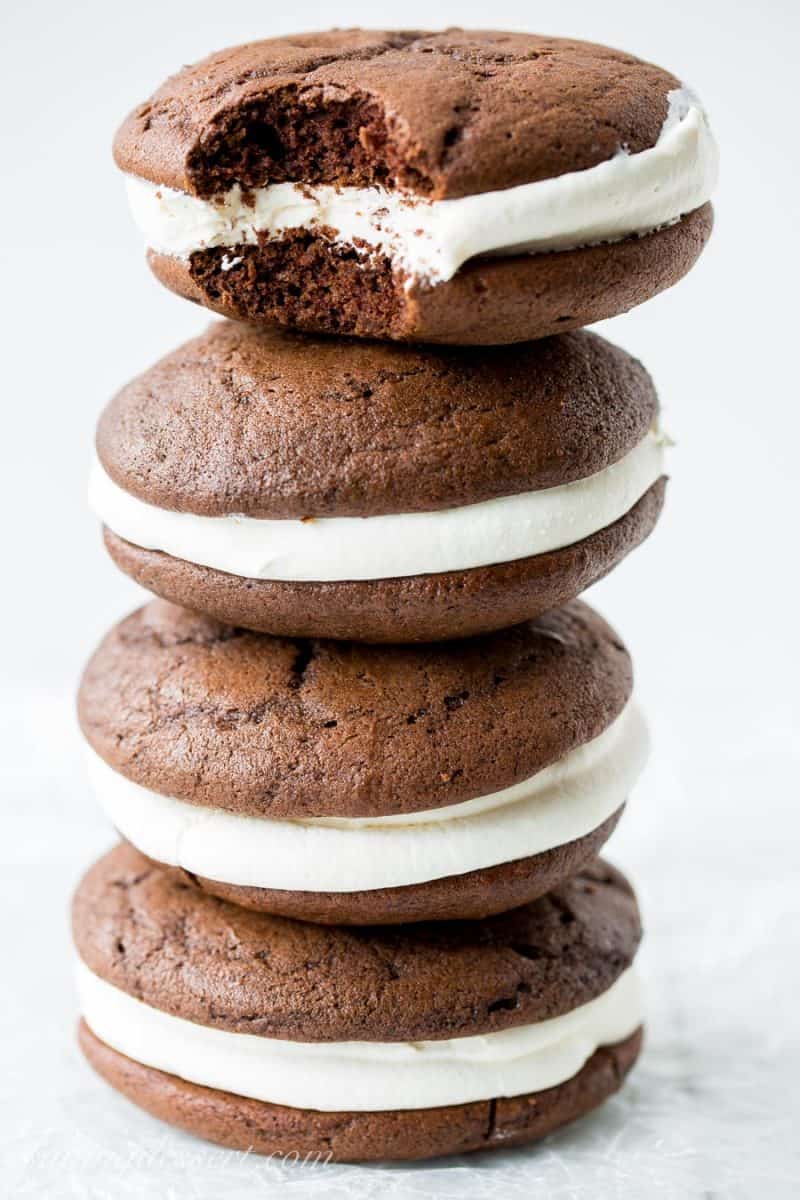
280, 1037
373, 492
345, 783
464, 186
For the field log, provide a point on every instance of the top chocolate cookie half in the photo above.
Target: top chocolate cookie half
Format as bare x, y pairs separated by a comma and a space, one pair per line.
407, 185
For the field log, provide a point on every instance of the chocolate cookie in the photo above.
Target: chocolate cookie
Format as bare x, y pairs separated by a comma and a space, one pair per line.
373, 492
472, 187
347, 783
263, 1033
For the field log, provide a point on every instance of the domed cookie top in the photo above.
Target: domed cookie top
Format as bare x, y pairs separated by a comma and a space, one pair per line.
374, 492
272, 727
279, 425
351, 181
425, 112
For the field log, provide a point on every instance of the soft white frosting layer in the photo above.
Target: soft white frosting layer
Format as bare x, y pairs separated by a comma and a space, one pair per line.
362, 1076
563, 802
628, 194
391, 545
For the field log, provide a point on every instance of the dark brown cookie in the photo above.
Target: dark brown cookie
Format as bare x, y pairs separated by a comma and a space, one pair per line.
218, 716
252, 1125
438, 115
414, 608
279, 426
422, 111
148, 932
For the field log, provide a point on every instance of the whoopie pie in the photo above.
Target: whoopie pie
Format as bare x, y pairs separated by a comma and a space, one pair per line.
279, 1037
471, 187
372, 492
345, 783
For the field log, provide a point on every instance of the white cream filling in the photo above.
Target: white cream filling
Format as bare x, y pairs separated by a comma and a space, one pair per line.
625, 195
362, 1076
387, 546
565, 801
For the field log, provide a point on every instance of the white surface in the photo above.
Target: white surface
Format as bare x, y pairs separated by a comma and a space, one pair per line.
431, 239
708, 607
565, 801
362, 1076
391, 545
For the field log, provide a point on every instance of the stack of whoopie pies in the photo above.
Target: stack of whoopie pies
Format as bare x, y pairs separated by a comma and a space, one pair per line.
366, 744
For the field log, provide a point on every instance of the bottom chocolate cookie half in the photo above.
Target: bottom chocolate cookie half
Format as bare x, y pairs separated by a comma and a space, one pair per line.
473, 895
273, 1129
307, 281
417, 608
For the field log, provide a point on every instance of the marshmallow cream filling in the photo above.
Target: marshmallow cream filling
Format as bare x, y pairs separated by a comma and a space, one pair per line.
560, 803
330, 549
362, 1076
430, 239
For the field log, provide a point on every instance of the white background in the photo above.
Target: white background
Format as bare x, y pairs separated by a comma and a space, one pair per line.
709, 608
